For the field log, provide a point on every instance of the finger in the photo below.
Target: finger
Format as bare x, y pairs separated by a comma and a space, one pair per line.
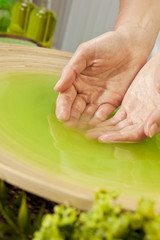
101, 130
71, 71
97, 132
102, 113
152, 124
133, 133
118, 117
87, 115
64, 103
124, 123
77, 108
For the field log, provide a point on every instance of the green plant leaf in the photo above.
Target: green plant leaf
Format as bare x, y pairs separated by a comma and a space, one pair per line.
38, 219
6, 217
4, 228
23, 213
3, 191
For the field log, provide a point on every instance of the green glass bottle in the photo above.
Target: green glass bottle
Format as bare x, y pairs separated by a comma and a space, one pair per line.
42, 26
20, 17
4, 15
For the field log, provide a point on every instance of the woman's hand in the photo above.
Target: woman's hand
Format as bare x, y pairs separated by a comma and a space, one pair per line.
139, 115
97, 77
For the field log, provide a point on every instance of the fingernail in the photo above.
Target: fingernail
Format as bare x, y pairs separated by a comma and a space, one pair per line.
107, 138
59, 117
57, 84
101, 139
62, 116
153, 130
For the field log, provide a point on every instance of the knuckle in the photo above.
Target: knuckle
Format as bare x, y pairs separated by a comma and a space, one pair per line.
74, 116
89, 111
67, 99
82, 48
65, 69
101, 114
77, 108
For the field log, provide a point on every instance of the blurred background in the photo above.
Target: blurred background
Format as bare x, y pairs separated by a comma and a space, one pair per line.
81, 20
62, 24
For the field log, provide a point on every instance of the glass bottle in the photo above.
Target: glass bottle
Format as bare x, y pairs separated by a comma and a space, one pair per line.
41, 25
4, 15
20, 17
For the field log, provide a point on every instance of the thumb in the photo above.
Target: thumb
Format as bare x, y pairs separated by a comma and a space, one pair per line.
152, 124
76, 65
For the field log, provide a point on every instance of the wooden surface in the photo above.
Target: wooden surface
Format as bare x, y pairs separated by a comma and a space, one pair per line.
17, 58
27, 58
22, 58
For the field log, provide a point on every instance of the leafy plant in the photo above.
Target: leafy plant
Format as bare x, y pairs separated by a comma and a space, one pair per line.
105, 221
18, 223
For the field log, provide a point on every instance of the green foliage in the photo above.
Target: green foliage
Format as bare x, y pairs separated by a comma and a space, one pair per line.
3, 191
18, 223
105, 221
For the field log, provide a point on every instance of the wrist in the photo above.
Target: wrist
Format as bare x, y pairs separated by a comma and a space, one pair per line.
141, 22
140, 39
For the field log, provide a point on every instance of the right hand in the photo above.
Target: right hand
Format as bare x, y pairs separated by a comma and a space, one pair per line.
139, 115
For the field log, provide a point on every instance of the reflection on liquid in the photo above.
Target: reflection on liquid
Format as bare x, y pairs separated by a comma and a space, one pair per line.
135, 165
25, 102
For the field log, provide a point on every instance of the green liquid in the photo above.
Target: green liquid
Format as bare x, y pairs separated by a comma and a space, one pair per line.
30, 131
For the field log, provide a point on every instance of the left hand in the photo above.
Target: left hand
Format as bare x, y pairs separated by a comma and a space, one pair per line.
97, 77
139, 115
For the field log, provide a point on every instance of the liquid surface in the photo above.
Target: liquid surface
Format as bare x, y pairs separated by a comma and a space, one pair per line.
30, 131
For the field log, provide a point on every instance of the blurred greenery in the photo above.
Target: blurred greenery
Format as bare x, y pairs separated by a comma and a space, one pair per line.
105, 221
5, 14
17, 221
7, 3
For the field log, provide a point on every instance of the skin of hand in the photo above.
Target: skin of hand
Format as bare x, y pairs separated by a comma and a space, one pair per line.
139, 115
95, 80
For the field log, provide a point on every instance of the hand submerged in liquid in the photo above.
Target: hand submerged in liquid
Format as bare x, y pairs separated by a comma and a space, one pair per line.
97, 77
139, 115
